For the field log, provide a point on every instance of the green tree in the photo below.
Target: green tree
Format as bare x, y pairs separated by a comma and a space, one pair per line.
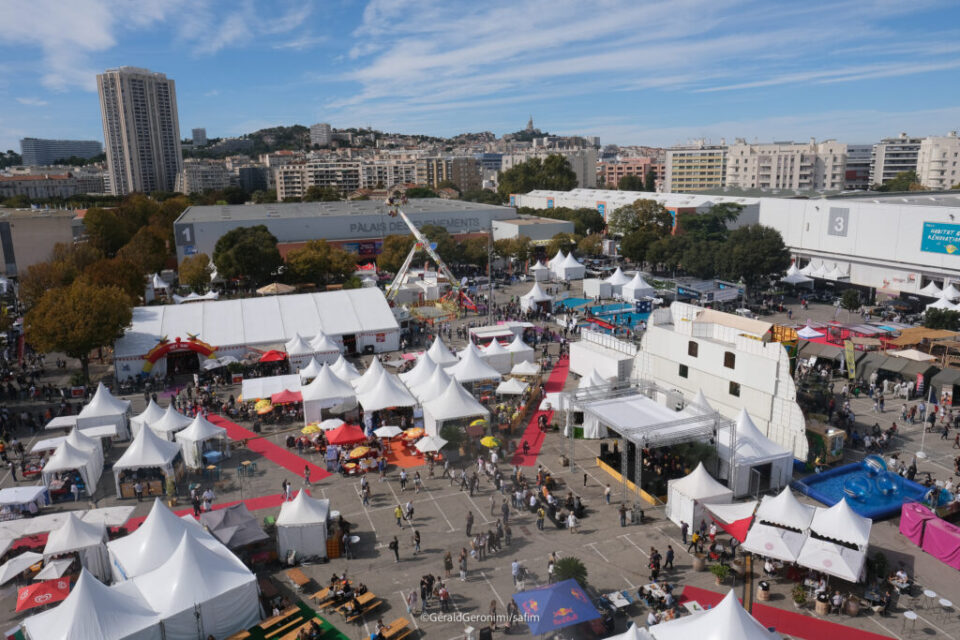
641, 215
942, 319
145, 249
262, 197
650, 181
753, 254
247, 252
421, 192
353, 282
116, 272
700, 258
562, 242
850, 299
483, 196
570, 568
322, 194
635, 245
393, 252
18, 201
446, 245
711, 225
553, 173
195, 272
320, 263
585, 221
474, 251
514, 248
631, 183
106, 230
590, 245
78, 318
235, 195
42, 277
903, 181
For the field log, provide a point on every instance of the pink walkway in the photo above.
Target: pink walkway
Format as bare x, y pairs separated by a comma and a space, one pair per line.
532, 434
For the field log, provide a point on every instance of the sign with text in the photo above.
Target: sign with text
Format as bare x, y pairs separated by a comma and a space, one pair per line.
939, 237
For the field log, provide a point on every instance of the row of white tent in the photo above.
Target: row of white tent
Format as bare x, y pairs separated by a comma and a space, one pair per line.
619, 284
819, 269
321, 348
949, 292
563, 267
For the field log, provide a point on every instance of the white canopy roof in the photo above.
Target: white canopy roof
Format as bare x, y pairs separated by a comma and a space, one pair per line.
104, 404
700, 485
434, 386
731, 512
519, 346
633, 633
73, 535
831, 558
322, 343
387, 392
536, 294
327, 386
842, 523
570, 261
725, 621
539, 267
785, 510
835, 274
774, 542
297, 346
618, 278
193, 296
303, 509
171, 422
942, 303
94, 610
62, 422
913, 354
638, 287
555, 261
820, 270
701, 401
21, 494
370, 376
17, 565
931, 290
795, 276
593, 379
751, 445
455, 402
469, 347
147, 450
430, 444
810, 267
344, 369
310, 371
79, 440
439, 352
511, 387
525, 368
808, 333
421, 371
201, 429
950, 292
69, 458
158, 283
151, 414
472, 368
256, 388
494, 348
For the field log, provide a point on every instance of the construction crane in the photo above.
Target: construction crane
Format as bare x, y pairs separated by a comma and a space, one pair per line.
422, 242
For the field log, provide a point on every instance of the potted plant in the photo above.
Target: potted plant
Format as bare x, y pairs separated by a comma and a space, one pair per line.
720, 572
799, 596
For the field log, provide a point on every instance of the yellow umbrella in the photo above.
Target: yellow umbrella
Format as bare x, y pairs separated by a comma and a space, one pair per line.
413, 432
265, 402
359, 452
479, 422
240, 398
267, 408
310, 428
490, 442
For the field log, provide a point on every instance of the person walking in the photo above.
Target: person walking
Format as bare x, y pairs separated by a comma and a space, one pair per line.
668, 561
447, 564
684, 529
74, 489
306, 474
138, 490
505, 512
347, 551
694, 539
416, 542
541, 514
606, 494
394, 546
403, 479
412, 601
623, 515
408, 511
417, 482
469, 522
515, 572
195, 501
463, 565
398, 514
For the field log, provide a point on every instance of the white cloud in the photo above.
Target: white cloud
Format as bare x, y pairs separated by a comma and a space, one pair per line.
32, 102
301, 43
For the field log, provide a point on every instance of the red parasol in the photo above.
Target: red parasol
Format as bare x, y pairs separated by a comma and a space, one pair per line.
41, 593
273, 356
286, 397
345, 434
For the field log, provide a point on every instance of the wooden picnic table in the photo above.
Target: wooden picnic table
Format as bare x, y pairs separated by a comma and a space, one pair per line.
298, 577
362, 600
399, 628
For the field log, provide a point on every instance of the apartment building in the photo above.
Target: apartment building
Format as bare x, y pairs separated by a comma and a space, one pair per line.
293, 180
464, 173
937, 161
857, 176
321, 134
199, 137
892, 156
696, 167
198, 176
787, 165
611, 172
383, 174
46, 186
38, 152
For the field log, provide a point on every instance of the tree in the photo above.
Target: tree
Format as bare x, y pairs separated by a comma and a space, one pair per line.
650, 181
262, 197
106, 230
421, 192
641, 215
700, 258
752, 254
942, 319
553, 173
234, 195
514, 248
483, 196
635, 245
320, 262
247, 252
446, 245
77, 319
570, 568
850, 299
393, 252
195, 272
630, 183
322, 194
146, 249
903, 181
711, 225
591, 245
116, 272
474, 251
585, 220
43, 276
562, 242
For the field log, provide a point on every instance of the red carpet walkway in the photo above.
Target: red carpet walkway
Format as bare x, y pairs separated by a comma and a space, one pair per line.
791, 623
532, 434
280, 455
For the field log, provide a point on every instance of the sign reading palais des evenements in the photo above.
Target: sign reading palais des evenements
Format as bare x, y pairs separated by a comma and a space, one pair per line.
939, 237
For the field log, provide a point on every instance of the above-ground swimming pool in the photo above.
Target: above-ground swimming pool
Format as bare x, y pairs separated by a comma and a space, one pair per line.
870, 489
571, 303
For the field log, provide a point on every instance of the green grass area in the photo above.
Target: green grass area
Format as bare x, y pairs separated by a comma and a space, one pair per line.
304, 613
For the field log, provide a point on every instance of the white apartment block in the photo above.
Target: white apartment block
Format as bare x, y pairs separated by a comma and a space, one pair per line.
892, 156
141, 130
693, 349
787, 165
381, 174
292, 181
696, 167
938, 161
321, 134
198, 176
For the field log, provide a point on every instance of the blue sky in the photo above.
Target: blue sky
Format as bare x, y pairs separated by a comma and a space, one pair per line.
630, 71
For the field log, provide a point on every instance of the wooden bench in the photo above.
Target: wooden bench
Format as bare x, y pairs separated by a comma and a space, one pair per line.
292, 635
298, 578
240, 635
283, 629
362, 600
364, 610
399, 628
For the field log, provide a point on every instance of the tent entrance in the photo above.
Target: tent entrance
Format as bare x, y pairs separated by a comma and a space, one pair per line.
350, 343
760, 478
182, 362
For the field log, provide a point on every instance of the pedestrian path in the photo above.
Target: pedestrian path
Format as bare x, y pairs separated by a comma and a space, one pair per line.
532, 434
273, 452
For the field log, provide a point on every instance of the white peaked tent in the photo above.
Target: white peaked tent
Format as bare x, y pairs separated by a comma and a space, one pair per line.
819, 271
637, 289
147, 450
833, 559
310, 371
521, 351
686, 496
633, 633
593, 379
472, 368
94, 610
701, 401
86, 539
85, 443
931, 290
753, 450
202, 435
421, 371
535, 298
774, 542
105, 409
497, 356
470, 347
842, 523
942, 303
795, 276
570, 269
950, 292
151, 414
511, 387
525, 368
809, 268
302, 526
171, 422
836, 273
454, 403
387, 392
344, 370
69, 458
785, 510
370, 377
540, 272
616, 280
554, 262
440, 354
809, 333
726, 621
325, 348
326, 390
199, 594
299, 351
434, 386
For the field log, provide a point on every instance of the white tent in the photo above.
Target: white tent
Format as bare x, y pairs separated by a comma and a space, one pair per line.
17, 565
753, 451
105, 408
556, 261
440, 354
931, 290
593, 379
79, 440
521, 350
942, 303
326, 390
686, 496
202, 435
540, 272
819, 271
370, 377
774, 542
570, 269
535, 298
836, 274
637, 289
454, 403
809, 333
633, 633
171, 422
842, 523
701, 401
785, 510
525, 368
68, 458
472, 368
325, 348
198, 593
299, 351
950, 292
310, 371
86, 539
257, 388
388, 391
497, 356
421, 371
94, 610
810, 267
152, 413
832, 558
726, 621
434, 386
344, 370
430, 444
302, 526
147, 450
511, 387
616, 280
795, 276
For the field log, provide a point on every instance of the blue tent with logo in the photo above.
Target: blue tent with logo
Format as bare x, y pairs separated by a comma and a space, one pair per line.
555, 606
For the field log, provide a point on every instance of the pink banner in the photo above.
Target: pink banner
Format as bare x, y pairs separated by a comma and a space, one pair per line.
942, 540
913, 515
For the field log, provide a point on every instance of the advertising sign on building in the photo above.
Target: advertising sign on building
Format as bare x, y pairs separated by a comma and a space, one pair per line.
939, 237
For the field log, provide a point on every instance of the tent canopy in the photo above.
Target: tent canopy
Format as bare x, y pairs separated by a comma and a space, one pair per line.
700, 485
387, 392
725, 621
440, 354
297, 346
518, 346
752, 446
344, 370
303, 510
171, 422
74, 535
147, 450
310, 371
774, 542
494, 348
785, 510
370, 377
511, 387
345, 434
421, 371
831, 558
104, 404
535, 295
809, 333
555, 606
69, 458
455, 402
842, 523
192, 438
326, 386
472, 368
618, 278
151, 414
433, 387
324, 344
525, 368
234, 526
593, 379
637, 288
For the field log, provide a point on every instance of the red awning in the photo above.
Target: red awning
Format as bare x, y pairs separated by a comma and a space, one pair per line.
345, 434
41, 593
273, 356
286, 397
738, 528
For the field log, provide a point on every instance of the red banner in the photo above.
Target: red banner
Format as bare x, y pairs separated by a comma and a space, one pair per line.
42, 593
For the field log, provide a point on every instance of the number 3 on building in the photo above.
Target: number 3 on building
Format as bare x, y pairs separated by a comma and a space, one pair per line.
839, 222
839, 225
